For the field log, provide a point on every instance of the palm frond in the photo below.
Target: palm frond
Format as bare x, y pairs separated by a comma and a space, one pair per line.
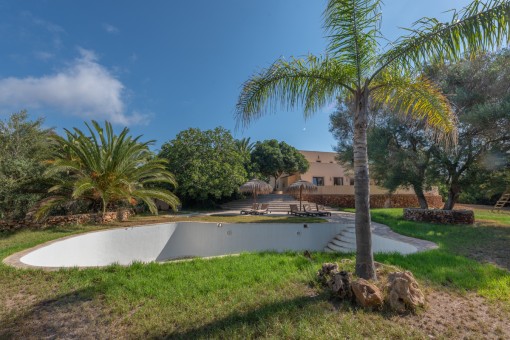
109, 167
352, 27
45, 206
481, 26
286, 84
417, 97
148, 195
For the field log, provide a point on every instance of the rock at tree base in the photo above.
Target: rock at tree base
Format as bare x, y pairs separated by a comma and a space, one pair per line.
404, 293
326, 272
367, 294
340, 284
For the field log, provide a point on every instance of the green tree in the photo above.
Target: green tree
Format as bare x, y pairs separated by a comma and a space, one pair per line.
361, 71
478, 89
24, 144
108, 168
245, 148
273, 158
400, 150
208, 164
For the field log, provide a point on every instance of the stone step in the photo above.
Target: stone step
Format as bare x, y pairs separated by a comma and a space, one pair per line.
277, 203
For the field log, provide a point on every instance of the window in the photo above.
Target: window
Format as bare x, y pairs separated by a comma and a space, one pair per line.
318, 181
338, 181
351, 181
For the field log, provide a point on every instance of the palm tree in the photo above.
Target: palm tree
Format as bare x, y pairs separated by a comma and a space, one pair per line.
245, 146
362, 72
108, 168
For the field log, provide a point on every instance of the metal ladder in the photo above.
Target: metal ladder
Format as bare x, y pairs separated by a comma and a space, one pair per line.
503, 200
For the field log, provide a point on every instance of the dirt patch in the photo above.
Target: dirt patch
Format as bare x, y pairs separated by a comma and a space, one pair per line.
460, 317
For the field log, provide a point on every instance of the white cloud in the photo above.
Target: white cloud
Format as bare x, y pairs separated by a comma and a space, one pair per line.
84, 88
111, 29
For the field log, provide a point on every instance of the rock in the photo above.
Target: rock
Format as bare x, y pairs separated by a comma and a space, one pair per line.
325, 273
340, 285
367, 294
404, 293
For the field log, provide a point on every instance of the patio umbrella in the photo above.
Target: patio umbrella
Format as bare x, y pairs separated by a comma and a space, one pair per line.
301, 186
256, 186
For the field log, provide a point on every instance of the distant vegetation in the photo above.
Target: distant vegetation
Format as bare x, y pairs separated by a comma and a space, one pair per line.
403, 152
208, 165
24, 145
273, 158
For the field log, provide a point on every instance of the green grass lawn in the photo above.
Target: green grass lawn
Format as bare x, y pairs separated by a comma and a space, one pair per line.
247, 296
469, 258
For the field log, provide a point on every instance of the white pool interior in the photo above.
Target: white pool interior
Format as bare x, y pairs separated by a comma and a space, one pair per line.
169, 241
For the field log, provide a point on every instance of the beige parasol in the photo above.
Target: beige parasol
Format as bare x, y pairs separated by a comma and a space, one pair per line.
301, 186
256, 187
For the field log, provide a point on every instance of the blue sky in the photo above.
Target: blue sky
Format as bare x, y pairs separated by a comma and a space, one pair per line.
164, 66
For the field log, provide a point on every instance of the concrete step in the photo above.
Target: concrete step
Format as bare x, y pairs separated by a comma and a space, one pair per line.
331, 248
346, 238
343, 244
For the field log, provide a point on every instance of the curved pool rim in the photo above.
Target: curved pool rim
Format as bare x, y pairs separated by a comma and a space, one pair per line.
15, 259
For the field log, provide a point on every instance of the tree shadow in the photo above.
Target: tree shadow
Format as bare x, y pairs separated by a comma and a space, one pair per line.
236, 320
492, 247
73, 315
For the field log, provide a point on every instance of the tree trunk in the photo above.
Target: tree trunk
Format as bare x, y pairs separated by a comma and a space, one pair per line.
453, 195
103, 214
421, 197
364, 256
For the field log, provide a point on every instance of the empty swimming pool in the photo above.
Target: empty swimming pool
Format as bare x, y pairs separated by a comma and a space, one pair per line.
169, 241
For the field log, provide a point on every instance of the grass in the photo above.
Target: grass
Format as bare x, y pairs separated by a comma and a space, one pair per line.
247, 296
469, 258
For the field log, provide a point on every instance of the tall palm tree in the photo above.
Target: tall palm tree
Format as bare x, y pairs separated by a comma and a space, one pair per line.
362, 71
108, 168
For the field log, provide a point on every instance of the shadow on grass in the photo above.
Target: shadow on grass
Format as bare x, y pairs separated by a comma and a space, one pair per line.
74, 315
257, 321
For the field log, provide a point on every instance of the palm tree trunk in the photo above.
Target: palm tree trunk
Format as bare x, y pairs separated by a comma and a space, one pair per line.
105, 203
364, 256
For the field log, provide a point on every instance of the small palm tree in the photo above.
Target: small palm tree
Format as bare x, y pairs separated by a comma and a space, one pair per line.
245, 146
362, 72
108, 168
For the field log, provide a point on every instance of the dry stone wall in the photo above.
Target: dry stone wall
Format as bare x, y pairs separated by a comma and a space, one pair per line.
52, 221
376, 201
440, 216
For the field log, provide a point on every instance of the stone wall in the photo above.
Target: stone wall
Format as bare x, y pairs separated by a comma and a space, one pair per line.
52, 221
376, 201
440, 216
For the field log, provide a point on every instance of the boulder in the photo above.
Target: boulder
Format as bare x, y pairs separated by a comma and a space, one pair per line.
326, 272
367, 294
340, 285
404, 293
